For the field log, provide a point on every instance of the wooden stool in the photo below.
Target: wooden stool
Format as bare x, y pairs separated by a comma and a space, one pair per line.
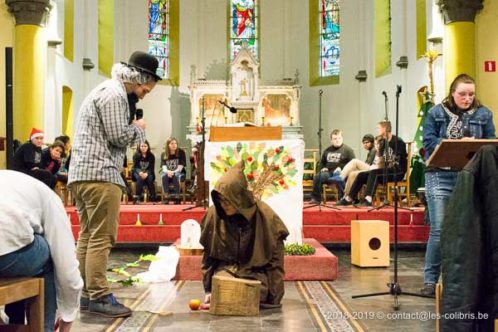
232, 296
16, 289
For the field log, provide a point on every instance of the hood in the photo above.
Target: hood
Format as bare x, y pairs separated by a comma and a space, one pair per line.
233, 186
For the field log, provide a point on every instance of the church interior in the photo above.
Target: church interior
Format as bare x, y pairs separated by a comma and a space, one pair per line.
254, 78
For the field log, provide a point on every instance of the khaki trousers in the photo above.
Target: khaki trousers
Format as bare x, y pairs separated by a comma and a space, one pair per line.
98, 206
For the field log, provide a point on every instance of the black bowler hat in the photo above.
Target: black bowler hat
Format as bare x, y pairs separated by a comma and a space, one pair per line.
144, 62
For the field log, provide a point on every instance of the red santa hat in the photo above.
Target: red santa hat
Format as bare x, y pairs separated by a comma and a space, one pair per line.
35, 133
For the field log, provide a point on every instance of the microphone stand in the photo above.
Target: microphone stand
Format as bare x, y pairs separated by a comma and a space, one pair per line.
386, 157
319, 134
394, 286
200, 191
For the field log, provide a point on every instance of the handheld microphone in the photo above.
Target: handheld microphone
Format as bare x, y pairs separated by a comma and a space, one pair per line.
139, 113
230, 108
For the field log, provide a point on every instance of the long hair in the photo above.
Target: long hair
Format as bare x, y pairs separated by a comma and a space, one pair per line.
166, 148
462, 78
125, 74
148, 153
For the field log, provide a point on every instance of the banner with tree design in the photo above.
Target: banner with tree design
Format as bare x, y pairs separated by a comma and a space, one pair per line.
274, 172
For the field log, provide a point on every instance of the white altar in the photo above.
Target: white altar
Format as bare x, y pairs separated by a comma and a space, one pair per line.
279, 163
257, 102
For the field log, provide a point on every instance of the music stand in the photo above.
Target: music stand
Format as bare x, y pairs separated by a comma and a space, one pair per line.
456, 153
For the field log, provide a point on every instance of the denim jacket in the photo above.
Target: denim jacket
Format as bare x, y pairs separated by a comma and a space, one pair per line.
479, 123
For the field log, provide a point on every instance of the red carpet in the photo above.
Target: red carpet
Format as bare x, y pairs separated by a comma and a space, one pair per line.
296, 267
326, 226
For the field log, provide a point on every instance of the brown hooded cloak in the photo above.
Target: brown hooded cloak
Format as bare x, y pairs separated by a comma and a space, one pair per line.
249, 244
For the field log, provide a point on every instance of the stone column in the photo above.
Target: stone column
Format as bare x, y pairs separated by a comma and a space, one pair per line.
30, 53
459, 39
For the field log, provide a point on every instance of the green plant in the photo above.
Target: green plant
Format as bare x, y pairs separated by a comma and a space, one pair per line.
121, 270
295, 249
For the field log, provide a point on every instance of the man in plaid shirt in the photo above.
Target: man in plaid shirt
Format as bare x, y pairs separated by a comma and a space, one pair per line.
104, 130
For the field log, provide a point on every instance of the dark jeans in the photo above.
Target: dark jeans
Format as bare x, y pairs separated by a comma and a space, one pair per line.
322, 178
149, 183
372, 179
32, 260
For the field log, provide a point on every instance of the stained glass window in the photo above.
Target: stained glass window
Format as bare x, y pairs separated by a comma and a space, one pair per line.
330, 31
244, 21
159, 29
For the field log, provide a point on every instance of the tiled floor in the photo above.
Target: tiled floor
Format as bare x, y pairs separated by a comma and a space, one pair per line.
164, 306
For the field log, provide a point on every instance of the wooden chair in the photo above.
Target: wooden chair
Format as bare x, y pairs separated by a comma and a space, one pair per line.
404, 183
16, 289
310, 160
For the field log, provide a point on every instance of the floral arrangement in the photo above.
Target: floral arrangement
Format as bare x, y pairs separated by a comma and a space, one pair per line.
268, 170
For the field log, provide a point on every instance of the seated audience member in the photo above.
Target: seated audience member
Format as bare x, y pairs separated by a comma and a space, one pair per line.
352, 169
143, 172
27, 159
66, 158
173, 162
243, 237
36, 241
394, 154
333, 159
51, 159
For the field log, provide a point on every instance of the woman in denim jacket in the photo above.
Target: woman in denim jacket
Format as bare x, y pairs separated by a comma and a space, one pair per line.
459, 116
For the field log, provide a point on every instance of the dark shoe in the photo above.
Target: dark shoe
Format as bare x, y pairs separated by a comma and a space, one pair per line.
108, 306
343, 202
84, 301
269, 306
365, 203
136, 199
428, 290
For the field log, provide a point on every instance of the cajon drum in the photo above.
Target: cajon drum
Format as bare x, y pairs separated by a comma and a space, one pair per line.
370, 243
232, 296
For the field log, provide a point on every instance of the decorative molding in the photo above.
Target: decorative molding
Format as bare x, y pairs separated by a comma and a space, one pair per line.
459, 10
33, 12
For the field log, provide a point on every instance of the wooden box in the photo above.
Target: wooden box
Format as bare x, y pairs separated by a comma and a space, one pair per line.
232, 296
370, 243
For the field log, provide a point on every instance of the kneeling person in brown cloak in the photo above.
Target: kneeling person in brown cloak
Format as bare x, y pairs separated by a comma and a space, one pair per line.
243, 237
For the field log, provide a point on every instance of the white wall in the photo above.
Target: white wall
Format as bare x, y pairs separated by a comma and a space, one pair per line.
351, 106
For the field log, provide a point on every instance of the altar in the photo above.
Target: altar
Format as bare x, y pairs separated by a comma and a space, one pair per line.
249, 100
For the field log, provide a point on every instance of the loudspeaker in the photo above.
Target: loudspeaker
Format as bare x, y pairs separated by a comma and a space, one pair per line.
370, 243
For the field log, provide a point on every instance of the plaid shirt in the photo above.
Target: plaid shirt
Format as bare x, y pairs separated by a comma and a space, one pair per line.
102, 135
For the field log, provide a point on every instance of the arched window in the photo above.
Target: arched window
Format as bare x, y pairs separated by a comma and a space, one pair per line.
325, 51
244, 26
159, 30
330, 31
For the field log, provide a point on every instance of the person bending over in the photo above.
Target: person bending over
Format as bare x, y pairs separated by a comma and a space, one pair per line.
243, 237
36, 241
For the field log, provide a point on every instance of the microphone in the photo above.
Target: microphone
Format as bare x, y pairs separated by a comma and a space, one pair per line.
139, 113
230, 108
320, 92
385, 94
